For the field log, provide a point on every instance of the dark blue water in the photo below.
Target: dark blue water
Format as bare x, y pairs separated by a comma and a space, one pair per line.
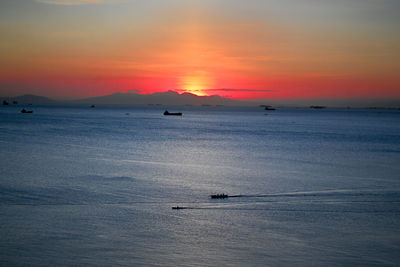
81, 186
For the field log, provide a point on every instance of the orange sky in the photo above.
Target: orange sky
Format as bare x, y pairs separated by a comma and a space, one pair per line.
262, 49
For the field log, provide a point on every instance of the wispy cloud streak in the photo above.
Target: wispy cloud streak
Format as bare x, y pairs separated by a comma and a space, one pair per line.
241, 90
74, 2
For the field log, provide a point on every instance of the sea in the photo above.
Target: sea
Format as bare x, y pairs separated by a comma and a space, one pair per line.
83, 186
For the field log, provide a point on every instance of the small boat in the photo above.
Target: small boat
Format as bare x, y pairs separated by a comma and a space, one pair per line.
269, 108
166, 113
92, 106
178, 208
5, 103
26, 111
317, 107
219, 196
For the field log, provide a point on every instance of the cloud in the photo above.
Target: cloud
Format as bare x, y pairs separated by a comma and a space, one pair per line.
75, 2
242, 90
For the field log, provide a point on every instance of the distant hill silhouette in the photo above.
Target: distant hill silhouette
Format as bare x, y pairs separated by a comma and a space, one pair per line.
173, 98
165, 98
30, 99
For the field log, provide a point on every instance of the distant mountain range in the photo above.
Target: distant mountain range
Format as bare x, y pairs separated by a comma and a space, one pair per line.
29, 99
173, 98
165, 98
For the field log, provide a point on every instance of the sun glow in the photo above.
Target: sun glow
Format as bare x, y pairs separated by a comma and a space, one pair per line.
196, 83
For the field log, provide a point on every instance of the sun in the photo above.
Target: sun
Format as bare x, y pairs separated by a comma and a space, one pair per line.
197, 83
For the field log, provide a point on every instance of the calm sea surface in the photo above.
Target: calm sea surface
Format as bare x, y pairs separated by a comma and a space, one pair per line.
90, 187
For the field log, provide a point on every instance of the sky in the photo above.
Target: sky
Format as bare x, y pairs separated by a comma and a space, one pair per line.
241, 49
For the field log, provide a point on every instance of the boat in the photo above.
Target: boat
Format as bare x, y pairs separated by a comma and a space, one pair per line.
269, 108
5, 103
219, 196
178, 208
166, 113
26, 111
317, 107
